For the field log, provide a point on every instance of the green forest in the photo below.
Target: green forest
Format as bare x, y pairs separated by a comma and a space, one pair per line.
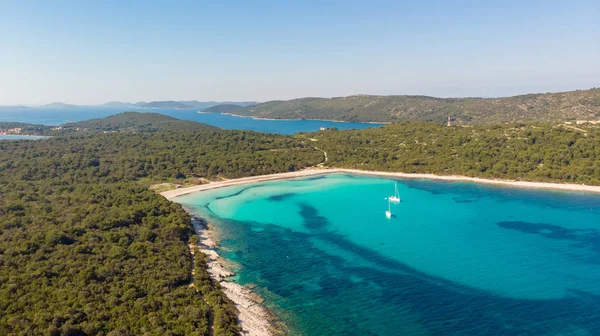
135, 122
532, 152
87, 249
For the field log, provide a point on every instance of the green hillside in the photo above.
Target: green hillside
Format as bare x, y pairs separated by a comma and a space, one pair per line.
222, 108
534, 152
137, 122
563, 106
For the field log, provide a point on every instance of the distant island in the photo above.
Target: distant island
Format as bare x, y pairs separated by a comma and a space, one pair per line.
59, 105
222, 108
165, 104
207, 104
126, 122
547, 107
135, 122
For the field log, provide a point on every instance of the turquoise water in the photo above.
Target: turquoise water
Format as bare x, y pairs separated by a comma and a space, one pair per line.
58, 116
456, 258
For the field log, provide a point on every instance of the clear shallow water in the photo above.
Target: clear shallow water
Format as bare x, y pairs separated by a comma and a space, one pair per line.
54, 116
456, 258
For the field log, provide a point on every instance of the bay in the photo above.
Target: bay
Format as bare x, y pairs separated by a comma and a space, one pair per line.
58, 116
457, 258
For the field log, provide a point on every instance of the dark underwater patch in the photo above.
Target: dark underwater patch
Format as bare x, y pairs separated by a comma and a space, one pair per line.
463, 200
314, 178
236, 194
315, 286
585, 237
280, 197
312, 219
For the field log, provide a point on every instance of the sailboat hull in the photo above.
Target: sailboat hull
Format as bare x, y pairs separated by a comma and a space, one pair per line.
394, 199
388, 214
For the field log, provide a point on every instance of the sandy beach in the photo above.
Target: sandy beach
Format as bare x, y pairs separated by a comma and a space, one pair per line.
311, 172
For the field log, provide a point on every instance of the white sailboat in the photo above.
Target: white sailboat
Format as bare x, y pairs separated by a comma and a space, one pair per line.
388, 212
396, 197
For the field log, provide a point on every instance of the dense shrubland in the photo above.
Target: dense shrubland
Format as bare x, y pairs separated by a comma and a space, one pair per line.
86, 248
535, 152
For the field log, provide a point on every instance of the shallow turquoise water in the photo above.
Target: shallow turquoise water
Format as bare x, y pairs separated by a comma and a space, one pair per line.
456, 258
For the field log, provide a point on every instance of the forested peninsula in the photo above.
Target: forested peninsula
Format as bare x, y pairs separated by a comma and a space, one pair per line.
547, 107
86, 248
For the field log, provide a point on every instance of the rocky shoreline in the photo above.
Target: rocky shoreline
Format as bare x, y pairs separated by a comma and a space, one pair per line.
253, 317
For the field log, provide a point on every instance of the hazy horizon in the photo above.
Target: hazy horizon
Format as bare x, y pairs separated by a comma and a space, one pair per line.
257, 101
96, 52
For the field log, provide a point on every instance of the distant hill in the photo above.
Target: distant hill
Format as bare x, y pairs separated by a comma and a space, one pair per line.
165, 104
137, 122
59, 105
197, 104
201, 105
187, 104
562, 106
243, 103
222, 108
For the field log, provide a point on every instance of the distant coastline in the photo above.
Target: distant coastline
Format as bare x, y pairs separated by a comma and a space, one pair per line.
272, 119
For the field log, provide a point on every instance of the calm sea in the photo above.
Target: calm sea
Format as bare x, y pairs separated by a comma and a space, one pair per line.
456, 258
53, 116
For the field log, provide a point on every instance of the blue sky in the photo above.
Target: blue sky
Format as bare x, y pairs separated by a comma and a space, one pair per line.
90, 52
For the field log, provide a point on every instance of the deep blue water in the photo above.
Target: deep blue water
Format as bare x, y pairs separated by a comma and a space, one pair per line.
53, 116
456, 258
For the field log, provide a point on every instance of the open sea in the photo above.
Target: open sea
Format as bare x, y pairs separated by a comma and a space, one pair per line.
456, 258
58, 116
